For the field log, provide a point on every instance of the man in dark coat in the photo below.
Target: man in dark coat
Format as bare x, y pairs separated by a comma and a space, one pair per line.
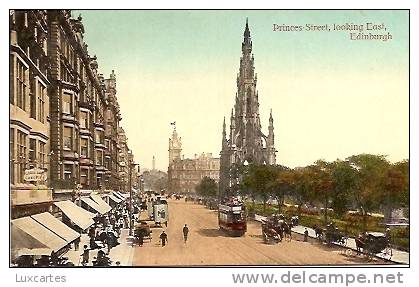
185, 233
163, 238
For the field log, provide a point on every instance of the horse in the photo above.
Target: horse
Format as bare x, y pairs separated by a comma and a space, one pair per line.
319, 233
360, 244
287, 231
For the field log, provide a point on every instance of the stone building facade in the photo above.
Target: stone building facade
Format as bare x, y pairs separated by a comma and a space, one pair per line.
185, 174
246, 144
29, 112
64, 114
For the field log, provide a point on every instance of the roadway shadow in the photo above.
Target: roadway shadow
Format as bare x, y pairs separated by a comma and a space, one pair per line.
210, 232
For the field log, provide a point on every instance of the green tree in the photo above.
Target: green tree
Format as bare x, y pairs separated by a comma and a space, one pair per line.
344, 178
258, 180
207, 187
371, 173
396, 187
281, 185
322, 184
302, 189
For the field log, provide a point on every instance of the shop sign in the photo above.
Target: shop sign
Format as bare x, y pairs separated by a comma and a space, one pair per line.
35, 174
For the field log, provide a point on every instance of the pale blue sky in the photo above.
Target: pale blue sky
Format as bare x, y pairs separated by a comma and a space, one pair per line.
331, 97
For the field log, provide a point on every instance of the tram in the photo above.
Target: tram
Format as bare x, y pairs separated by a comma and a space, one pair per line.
232, 217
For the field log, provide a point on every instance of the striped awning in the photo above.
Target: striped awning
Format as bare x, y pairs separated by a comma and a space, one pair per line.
56, 226
103, 204
114, 198
90, 202
44, 237
81, 217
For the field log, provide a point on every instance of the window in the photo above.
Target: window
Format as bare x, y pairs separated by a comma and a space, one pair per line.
68, 137
84, 144
32, 151
12, 154
68, 171
21, 151
84, 120
99, 157
67, 103
99, 136
21, 85
84, 177
32, 98
41, 156
107, 144
41, 102
107, 164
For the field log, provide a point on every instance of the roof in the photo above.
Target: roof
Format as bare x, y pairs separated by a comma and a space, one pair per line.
90, 202
114, 198
56, 226
81, 217
40, 233
98, 199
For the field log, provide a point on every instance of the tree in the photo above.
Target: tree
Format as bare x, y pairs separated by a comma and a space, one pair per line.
371, 171
281, 185
344, 178
396, 187
302, 189
258, 180
322, 184
207, 187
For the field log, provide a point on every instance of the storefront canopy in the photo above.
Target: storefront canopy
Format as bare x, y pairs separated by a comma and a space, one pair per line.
119, 195
81, 217
124, 195
98, 199
24, 244
114, 198
56, 226
100, 209
44, 238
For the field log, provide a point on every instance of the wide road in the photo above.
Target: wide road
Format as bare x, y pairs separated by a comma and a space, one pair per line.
208, 246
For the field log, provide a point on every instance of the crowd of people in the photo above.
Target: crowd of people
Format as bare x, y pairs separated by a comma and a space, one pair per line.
104, 235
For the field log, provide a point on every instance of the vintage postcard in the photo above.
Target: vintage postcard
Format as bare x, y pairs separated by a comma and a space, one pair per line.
202, 138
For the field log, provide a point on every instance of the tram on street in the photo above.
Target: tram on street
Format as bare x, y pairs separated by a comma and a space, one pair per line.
232, 217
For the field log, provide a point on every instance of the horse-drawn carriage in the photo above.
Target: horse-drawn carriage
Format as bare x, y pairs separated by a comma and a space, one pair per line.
374, 243
275, 228
142, 231
333, 235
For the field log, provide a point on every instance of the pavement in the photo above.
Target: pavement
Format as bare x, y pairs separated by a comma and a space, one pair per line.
399, 256
122, 253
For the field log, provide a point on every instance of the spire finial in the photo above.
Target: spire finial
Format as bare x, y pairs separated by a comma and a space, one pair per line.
247, 30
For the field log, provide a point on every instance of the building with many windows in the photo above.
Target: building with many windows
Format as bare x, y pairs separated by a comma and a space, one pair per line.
29, 113
64, 114
185, 174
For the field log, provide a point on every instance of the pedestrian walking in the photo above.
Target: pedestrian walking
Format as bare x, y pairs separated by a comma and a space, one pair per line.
77, 243
185, 233
305, 235
163, 238
85, 255
141, 239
